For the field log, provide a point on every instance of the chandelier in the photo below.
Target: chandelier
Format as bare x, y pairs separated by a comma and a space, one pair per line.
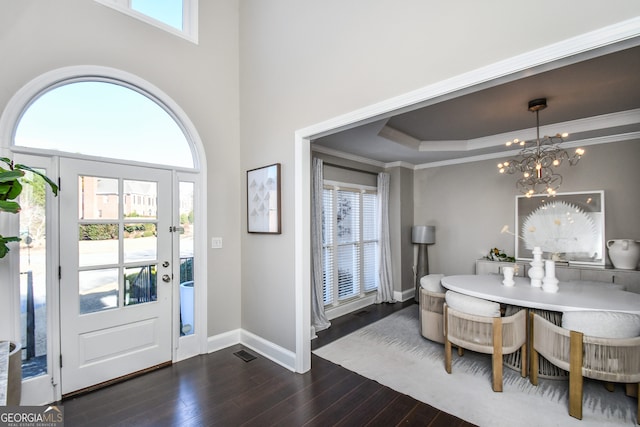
538, 158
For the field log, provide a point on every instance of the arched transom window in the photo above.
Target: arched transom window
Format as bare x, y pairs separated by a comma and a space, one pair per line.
105, 119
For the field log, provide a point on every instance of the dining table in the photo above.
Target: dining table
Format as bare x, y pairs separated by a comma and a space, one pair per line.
570, 296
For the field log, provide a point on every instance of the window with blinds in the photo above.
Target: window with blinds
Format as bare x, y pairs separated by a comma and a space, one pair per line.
350, 243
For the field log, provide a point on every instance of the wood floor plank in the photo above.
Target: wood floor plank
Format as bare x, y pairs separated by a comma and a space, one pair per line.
370, 408
323, 399
394, 412
345, 406
323, 375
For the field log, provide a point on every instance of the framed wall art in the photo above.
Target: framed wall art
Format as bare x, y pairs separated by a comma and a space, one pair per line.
263, 200
568, 227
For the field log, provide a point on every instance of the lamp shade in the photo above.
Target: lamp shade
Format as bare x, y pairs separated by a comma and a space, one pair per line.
423, 234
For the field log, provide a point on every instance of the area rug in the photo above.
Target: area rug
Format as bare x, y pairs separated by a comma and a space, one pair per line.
392, 352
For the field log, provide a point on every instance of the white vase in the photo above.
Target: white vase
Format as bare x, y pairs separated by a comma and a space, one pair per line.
508, 276
624, 253
536, 272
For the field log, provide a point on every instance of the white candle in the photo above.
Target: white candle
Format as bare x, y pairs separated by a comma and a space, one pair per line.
550, 268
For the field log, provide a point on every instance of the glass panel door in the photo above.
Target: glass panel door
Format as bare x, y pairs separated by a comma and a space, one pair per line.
117, 273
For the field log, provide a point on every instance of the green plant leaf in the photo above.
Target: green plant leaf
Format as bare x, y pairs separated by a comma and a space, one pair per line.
53, 185
11, 175
9, 206
4, 189
4, 248
14, 191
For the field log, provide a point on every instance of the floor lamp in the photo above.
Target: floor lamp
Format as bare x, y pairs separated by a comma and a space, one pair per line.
422, 235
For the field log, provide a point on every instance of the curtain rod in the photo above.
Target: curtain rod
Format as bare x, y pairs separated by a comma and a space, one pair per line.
349, 168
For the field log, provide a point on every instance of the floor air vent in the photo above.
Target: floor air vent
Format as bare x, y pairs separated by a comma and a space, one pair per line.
244, 355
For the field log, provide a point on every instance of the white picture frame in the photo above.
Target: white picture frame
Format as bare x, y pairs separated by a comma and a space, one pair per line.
263, 200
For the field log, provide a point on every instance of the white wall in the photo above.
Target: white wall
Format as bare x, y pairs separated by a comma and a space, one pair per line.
38, 36
303, 62
470, 203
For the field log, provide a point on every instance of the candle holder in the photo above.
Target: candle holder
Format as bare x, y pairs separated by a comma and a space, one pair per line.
536, 272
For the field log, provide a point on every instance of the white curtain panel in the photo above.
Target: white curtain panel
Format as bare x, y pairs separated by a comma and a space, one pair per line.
385, 285
319, 319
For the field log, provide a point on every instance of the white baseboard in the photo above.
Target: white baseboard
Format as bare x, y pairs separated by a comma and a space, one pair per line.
350, 307
224, 340
271, 351
280, 355
404, 295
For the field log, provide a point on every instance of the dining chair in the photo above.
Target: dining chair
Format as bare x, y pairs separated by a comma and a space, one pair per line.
476, 324
431, 307
611, 359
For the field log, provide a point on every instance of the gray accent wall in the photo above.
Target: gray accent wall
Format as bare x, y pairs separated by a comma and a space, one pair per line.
470, 203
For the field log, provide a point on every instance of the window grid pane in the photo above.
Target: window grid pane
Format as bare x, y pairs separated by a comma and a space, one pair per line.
370, 266
369, 217
327, 217
348, 216
348, 271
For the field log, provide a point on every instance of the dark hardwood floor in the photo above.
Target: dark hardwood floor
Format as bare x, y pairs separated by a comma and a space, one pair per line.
221, 389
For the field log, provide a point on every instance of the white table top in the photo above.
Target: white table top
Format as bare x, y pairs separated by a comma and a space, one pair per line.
571, 296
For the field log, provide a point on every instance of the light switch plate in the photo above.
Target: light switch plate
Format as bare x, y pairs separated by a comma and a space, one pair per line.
216, 242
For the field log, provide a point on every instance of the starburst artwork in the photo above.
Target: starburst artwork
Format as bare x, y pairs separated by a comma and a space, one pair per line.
558, 228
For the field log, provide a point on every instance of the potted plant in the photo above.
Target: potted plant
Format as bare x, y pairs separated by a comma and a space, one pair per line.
11, 185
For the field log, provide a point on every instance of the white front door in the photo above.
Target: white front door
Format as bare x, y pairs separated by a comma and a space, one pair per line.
115, 271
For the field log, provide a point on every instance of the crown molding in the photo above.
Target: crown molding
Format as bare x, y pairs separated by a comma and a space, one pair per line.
604, 121
346, 156
503, 154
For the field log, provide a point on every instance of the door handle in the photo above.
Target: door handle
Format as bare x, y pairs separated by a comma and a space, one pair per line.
166, 278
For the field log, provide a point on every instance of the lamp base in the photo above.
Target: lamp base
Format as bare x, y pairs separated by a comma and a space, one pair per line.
422, 269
